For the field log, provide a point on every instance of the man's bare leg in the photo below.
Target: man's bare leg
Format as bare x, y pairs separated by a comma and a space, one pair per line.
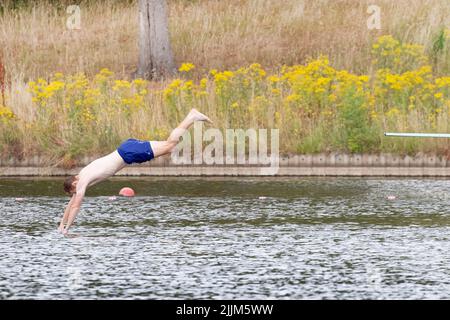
161, 148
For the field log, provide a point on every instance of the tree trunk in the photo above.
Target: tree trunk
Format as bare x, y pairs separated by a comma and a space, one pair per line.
2, 80
155, 52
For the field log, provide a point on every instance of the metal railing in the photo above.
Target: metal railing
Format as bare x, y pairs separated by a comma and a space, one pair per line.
417, 135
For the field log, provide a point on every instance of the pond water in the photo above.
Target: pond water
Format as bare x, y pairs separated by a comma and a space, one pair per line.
228, 238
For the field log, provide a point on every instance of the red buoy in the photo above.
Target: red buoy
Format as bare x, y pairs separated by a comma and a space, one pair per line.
126, 192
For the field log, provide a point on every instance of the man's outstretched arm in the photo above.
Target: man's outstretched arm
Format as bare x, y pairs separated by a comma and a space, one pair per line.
74, 209
66, 215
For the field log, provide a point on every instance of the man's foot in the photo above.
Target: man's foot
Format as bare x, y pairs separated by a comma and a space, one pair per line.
198, 116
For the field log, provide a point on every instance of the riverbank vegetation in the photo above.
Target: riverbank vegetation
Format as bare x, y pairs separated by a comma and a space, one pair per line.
315, 72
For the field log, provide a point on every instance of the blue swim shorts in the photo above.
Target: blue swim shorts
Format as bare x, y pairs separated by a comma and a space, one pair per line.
135, 151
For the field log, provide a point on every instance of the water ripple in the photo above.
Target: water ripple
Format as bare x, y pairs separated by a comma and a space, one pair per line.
229, 238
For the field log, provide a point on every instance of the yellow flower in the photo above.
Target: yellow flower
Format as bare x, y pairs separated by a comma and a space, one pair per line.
121, 84
293, 98
203, 83
78, 82
140, 83
176, 83
188, 85
220, 77
167, 92
186, 67
373, 114
6, 113
42, 81
276, 92
106, 72
439, 95
87, 115
364, 78
392, 112
91, 97
274, 79
443, 82
228, 74
55, 86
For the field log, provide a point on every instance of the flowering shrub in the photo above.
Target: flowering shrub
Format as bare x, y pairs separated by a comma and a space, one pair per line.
316, 107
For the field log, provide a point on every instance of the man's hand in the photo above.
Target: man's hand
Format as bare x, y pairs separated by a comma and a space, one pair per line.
65, 216
74, 209
61, 228
71, 211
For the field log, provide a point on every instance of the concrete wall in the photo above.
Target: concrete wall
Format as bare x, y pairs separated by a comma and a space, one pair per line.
298, 165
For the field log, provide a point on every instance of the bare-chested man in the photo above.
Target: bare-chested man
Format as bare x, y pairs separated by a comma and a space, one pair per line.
130, 151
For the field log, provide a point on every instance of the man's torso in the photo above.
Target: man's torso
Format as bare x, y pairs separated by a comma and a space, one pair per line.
101, 169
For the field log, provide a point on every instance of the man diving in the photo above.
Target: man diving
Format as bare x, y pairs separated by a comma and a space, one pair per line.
130, 151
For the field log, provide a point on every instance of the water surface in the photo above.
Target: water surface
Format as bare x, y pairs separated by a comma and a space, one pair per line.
228, 238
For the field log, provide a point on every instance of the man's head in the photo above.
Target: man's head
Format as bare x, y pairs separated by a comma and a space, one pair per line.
70, 184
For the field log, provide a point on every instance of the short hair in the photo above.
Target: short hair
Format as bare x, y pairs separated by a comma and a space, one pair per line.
68, 184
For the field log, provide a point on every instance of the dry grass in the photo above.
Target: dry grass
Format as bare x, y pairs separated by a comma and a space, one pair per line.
216, 34
36, 42
212, 34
